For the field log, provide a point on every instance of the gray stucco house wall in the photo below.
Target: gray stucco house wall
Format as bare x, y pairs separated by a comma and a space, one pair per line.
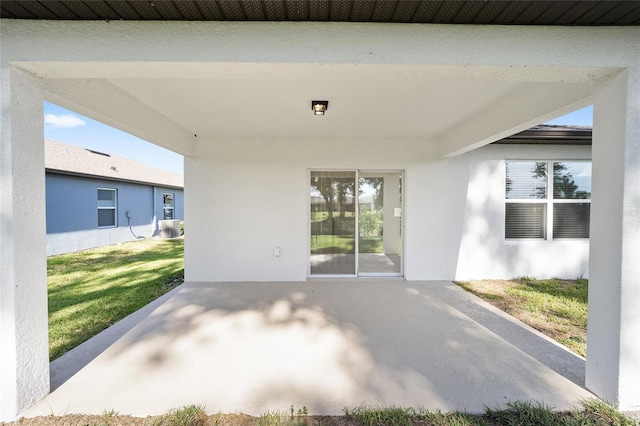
76, 181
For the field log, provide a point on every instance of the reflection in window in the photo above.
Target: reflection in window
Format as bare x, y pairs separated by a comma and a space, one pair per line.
572, 180
332, 204
529, 213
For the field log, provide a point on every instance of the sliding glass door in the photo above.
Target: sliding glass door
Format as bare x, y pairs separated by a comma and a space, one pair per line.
356, 223
333, 223
379, 223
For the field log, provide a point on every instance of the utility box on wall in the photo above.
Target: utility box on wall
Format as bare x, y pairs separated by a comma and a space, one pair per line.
169, 228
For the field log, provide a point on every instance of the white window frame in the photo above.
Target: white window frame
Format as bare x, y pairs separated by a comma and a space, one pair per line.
549, 201
114, 207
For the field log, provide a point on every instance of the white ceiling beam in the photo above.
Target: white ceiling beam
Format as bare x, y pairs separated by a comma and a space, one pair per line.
103, 101
521, 110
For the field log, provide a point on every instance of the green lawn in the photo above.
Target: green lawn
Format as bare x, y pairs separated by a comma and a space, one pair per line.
556, 307
93, 289
332, 244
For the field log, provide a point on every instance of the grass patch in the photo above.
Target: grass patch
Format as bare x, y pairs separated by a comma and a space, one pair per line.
189, 415
593, 412
557, 308
284, 418
93, 289
334, 244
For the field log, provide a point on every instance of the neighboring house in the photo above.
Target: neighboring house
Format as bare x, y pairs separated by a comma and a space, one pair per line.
414, 106
94, 198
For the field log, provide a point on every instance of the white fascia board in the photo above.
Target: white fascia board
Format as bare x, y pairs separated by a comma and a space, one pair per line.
298, 42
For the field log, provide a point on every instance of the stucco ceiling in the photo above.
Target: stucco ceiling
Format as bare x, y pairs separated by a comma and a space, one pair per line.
441, 84
357, 108
441, 12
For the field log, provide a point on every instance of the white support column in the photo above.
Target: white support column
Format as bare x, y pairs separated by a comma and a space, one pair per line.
24, 351
613, 337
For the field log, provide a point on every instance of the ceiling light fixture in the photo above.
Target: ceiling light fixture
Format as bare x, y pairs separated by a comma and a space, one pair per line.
319, 107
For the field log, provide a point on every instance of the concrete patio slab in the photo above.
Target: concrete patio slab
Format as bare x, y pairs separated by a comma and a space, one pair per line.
323, 344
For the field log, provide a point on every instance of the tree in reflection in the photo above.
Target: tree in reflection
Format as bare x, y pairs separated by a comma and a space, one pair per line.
564, 186
338, 196
377, 183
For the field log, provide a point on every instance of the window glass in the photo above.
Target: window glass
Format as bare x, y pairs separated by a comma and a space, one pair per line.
107, 207
106, 198
106, 217
571, 220
531, 213
572, 180
525, 220
168, 206
526, 180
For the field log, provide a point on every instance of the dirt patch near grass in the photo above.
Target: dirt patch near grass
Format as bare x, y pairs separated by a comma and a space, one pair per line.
167, 420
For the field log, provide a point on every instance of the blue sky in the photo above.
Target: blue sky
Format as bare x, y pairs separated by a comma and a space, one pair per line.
69, 127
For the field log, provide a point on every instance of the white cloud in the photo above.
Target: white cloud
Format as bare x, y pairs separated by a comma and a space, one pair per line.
63, 121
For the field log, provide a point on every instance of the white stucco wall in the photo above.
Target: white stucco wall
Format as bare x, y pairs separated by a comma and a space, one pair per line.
484, 252
248, 196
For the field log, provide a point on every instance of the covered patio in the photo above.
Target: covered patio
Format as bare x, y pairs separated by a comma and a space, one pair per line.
424, 100
323, 344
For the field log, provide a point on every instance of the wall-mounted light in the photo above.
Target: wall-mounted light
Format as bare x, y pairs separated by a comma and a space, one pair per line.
319, 107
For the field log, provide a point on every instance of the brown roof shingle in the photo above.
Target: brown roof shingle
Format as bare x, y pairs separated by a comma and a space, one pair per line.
74, 160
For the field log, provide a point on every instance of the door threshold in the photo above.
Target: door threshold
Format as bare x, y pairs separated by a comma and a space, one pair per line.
356, 278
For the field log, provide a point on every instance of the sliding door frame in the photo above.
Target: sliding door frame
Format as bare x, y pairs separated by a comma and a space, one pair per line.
357, 224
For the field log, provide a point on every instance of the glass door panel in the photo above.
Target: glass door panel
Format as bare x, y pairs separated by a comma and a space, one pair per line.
333, 223
379, 223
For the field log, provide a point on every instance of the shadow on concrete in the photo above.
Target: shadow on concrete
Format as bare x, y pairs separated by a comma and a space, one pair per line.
326, 345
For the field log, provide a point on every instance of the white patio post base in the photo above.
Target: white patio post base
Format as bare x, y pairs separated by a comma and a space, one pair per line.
24, 352
613, 351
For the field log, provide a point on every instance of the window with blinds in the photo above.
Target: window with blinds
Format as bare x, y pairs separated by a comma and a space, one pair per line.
530, 213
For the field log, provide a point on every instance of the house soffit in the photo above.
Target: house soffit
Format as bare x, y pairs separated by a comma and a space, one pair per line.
402, 11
